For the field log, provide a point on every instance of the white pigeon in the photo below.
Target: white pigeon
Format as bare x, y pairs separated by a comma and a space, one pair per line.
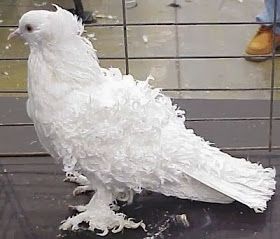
122, 134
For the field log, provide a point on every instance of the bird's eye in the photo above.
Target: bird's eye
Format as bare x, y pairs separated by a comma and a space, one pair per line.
29, 28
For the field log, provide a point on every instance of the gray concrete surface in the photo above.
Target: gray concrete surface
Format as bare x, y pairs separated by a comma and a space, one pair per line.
163, 41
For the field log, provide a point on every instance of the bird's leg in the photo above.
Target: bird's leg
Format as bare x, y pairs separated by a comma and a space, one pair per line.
99, 214
81, 180
124, 195
82, 189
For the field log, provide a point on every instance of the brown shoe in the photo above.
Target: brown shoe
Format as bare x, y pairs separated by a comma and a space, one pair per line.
261, 44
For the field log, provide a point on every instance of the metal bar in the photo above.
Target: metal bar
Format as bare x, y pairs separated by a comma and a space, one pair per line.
44, 154
179, 24
261, 148
231, 119
272, 78
125, 38
174, 89
187, 120
220, 89
16, 124
13, 91
26, 164
177, 62
161, 24
24, 154
162, 57
13, 59
35, 173
79, 8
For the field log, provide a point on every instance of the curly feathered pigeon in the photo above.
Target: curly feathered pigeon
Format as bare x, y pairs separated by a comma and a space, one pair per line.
122, 134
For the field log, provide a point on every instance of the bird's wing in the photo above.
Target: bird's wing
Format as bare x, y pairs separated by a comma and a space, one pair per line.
144, 134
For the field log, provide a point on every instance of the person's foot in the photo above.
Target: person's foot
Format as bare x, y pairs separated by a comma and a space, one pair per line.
262, 43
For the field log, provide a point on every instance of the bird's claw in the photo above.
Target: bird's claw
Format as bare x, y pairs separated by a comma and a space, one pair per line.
75, 177
78, 208
82, 189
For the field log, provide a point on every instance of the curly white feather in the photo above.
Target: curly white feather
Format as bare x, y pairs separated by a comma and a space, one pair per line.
126, 134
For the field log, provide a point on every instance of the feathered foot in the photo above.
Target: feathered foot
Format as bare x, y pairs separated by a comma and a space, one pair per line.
103, 219
75, 177
99, 214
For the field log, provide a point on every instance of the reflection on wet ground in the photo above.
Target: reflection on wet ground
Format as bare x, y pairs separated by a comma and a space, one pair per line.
160, 41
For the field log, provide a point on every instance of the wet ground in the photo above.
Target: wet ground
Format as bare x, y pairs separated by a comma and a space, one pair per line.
160, 41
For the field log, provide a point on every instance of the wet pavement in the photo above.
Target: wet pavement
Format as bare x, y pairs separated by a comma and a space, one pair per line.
161, 41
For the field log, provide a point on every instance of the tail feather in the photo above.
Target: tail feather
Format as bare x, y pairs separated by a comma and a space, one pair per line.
246, 182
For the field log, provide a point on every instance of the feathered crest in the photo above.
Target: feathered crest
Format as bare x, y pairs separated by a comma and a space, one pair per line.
65, 23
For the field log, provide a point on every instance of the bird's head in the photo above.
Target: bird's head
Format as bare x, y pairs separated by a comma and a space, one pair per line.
41, 26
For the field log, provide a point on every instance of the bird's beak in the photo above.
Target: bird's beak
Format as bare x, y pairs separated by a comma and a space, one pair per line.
14, 34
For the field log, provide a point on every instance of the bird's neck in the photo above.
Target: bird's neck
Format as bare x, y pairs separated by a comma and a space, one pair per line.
55, 65
54, 76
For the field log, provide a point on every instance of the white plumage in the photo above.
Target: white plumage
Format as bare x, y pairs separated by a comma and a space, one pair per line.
122, 134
